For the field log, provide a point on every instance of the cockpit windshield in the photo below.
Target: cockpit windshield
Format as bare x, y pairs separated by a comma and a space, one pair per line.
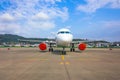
63, 32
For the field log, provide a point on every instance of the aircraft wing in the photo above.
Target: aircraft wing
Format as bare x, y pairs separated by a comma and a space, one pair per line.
77, 42
48, 42
26, 40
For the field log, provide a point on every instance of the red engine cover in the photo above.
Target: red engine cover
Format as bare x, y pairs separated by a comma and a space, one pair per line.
82, 46
42, 46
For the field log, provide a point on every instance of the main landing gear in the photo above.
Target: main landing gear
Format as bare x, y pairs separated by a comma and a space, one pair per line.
50, 49
72, 49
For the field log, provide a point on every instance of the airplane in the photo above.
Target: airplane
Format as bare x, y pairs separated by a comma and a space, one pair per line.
64, 38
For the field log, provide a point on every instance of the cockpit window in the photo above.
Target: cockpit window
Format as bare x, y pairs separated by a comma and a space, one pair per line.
67, 32
64, 32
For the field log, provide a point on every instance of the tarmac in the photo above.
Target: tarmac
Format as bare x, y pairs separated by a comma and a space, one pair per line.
33, 64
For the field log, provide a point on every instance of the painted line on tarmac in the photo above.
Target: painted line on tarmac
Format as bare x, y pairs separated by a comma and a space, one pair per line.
64, 63
62, 57
67, 63
61, 63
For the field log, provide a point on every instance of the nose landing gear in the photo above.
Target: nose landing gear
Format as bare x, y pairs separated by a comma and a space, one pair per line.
63, 52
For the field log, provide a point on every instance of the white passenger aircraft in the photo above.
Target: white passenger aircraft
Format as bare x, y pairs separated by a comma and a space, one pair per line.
64, 38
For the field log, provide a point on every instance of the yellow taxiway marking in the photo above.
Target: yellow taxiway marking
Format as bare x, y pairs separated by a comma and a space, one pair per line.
61, 62
64, 63
62, 57
67, 63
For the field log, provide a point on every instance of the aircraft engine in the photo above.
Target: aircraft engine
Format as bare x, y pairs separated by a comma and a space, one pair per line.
42, 46
82, 46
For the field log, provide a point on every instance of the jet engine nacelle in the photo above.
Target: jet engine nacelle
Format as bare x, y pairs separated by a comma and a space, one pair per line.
82, 46
42, 46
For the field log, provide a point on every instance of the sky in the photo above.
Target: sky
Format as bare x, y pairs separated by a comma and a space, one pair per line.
87, 19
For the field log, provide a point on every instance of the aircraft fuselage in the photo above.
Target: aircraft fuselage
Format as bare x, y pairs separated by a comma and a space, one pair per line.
64, 37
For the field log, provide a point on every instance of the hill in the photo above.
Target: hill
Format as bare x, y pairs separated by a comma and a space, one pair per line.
9, 38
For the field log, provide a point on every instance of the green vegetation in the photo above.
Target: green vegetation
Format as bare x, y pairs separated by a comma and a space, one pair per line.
11, 39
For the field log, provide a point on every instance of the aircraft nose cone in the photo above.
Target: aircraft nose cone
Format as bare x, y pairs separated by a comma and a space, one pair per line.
64, 39
67, 39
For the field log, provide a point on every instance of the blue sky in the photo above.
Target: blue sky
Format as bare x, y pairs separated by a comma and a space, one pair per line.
91, 19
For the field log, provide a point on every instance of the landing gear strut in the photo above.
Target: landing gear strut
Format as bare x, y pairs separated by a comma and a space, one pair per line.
50, 49
72, 49
64, 52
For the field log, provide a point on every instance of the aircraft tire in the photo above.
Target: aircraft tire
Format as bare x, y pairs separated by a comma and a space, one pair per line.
50, 49
63, 52
73, 49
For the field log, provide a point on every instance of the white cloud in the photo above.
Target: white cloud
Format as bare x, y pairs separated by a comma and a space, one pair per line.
115, 4
51, 13
41, 16
31, 15
93, 5
9, 28
44, 25
106, 30
112, 24
6, 17
52, 1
